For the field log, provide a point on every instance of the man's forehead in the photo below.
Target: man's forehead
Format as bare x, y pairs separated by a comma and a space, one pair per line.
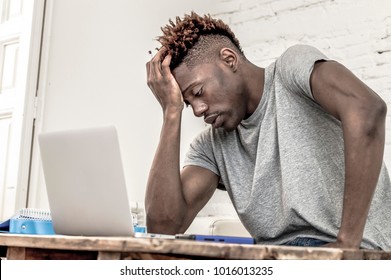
180, 70
184, 76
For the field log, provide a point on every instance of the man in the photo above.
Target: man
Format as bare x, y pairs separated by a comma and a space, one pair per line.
298, 145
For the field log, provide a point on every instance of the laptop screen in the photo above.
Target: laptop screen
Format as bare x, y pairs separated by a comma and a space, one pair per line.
85, 182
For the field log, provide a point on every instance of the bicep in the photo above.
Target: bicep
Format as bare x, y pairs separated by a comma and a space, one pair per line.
339, 92
198, 185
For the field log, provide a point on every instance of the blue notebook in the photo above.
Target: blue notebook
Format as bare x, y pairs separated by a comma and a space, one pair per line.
217, 238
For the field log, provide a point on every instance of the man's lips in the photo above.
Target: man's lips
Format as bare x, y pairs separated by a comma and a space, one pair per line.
210, 119
214, 119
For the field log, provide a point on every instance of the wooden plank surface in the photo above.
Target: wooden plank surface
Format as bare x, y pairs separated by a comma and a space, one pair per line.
16, 253
144, 248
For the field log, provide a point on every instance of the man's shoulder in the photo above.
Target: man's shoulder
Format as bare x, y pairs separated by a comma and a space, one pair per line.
215, 138
299, 48
298, 52
298, 59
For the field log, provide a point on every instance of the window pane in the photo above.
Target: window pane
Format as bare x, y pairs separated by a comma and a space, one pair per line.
9, 64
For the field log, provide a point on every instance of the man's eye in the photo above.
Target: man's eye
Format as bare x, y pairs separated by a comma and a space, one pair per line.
198, 93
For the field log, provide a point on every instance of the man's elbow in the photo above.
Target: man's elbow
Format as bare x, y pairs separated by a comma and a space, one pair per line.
373, 116
379, 108
163, 224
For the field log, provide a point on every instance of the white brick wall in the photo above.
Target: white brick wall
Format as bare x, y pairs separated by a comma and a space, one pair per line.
357, 33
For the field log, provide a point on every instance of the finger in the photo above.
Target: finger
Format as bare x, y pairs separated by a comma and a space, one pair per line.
166, 65
159, 56
148, 68
151, 72
156, 63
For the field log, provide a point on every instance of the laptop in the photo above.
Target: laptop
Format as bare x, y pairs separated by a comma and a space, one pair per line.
86, 187
85, 182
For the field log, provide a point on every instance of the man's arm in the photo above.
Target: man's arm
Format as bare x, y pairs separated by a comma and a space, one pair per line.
172, 199
362, 114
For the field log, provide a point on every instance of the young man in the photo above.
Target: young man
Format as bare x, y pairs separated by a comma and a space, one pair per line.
298, 145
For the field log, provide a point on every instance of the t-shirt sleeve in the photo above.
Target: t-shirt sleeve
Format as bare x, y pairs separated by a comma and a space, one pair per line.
201, 154
296, 66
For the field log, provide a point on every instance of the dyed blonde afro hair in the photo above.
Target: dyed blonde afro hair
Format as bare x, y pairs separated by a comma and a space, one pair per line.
194, 39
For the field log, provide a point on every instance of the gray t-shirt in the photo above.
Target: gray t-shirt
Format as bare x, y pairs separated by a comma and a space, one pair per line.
283, 167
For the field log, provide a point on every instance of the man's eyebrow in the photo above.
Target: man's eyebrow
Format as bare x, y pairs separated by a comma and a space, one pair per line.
185, 91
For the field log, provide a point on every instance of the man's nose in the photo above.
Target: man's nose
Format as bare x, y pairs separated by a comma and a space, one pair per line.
199, 109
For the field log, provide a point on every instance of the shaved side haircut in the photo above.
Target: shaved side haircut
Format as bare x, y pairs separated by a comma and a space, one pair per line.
195, 39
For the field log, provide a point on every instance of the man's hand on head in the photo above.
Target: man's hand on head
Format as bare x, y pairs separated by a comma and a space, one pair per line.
163, 84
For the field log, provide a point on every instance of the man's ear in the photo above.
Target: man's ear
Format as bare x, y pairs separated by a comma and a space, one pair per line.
229, 58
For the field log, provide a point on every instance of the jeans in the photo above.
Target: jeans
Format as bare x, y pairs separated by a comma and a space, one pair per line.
306, 242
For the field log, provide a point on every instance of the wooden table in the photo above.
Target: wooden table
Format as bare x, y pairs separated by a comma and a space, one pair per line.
20, 246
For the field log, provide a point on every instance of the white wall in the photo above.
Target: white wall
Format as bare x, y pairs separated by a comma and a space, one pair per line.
93, 73
357, 33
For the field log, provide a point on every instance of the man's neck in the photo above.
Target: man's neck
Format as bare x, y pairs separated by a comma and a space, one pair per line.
255, 80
